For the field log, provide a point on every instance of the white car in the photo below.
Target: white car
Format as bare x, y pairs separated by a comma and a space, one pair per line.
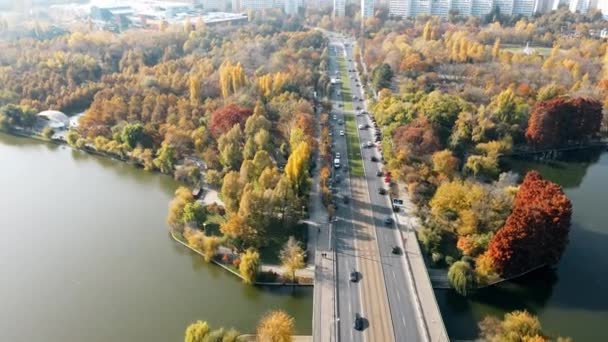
361, 126
370, 144
335, 117
341, 133
338, 155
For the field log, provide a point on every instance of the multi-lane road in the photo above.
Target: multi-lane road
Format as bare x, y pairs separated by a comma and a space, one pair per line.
363, 240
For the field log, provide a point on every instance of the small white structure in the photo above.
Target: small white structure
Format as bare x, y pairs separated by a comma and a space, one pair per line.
56, 119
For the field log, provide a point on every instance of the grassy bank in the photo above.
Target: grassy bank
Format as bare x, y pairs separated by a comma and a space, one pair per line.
355, 163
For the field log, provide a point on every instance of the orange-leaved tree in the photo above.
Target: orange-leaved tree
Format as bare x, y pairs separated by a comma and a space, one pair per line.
536, 232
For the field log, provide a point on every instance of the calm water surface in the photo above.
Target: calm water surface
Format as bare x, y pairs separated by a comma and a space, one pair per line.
85, 255
572, 299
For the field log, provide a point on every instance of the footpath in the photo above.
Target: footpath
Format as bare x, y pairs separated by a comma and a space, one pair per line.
321, 258
408, 223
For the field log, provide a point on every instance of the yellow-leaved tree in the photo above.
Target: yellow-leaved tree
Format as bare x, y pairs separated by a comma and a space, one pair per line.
249, 266
296, 169
292, 257
275, 326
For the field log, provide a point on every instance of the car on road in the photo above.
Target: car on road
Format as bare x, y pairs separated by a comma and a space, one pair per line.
361, 126
382, 191
397, 202
370, 144
330, 134
388, 220
358, 324
341, 133
358, 108
339, 105
354, 276
335, 117
338, 155
379, 173
374, 159
345, 199
397, 250
340, 122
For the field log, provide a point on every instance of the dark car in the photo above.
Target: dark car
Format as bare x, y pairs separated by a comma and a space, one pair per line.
354, 276
382, 191
374, 159
397, 250
388, 220
379, 173
358, 108
345, 199
358, 324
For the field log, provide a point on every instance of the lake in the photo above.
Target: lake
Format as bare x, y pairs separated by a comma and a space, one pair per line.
85, 255
569, 299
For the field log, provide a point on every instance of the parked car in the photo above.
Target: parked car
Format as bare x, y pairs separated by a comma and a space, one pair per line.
397, 202
397, 250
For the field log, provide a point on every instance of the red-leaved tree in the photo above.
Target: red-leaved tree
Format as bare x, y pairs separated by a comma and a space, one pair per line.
226, 117
419, 136
559, 121
536, 232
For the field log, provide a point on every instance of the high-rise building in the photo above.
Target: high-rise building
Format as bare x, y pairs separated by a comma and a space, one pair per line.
462, 7
544, 6
581, 6
367, 8
253, 5
480, 8
523, 7
215, 5
420, 7
441, 8
291, 7
505, 6
399, 8
339, 8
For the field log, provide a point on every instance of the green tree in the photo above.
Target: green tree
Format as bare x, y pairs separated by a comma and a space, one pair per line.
231, 191
165, 158
382, 76
275, 326
72, 137
134, 134
292, 257
249, 266
461, 277
182, 197
194, 214
48, 132
230, 146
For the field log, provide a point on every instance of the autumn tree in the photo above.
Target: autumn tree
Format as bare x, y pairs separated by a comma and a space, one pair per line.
561, 121
445, 163
536, 232
461, 277
239, 232
226, 117
292, 257
275, 326
249, 266
230, 146
231, 191
516, 326
183, 196
296, 169
197, 332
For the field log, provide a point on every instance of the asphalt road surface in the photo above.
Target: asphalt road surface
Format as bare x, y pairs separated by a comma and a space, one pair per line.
363, 240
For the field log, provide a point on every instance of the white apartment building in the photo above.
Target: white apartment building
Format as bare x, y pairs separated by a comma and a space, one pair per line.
215, 5
399, 8
581, 6
462, 7
441, 8
523, 7
291, 7
367, 8
339, 8
478, 8
420, 7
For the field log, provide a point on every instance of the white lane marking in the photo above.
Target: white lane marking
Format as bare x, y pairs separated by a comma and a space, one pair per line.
403, 320
398, 297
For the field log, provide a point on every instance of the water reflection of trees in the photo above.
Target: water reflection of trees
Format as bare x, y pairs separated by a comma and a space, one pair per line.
568, 170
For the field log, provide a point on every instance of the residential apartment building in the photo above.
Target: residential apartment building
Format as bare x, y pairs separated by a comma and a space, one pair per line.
478, 8
339, 8
367, 8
